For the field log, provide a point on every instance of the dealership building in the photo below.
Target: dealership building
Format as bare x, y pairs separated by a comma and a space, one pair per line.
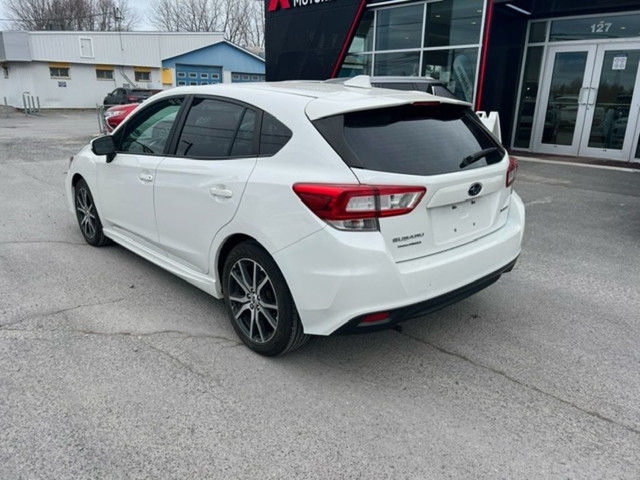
563, 74
78, 69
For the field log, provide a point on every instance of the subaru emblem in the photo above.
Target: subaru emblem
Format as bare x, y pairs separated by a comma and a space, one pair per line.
475, 189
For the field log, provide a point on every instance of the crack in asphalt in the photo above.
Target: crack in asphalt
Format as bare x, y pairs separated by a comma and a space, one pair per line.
505, 375
58, 312
177, 360
28, 242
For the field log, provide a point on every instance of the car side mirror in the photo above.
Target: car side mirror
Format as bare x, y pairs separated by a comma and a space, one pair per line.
104, 146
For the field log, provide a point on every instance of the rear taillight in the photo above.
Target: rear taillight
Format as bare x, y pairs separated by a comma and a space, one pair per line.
357, 207
511, 171
133, 99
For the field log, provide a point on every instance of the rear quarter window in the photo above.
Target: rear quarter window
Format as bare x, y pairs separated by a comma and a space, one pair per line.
273, 135
414, 140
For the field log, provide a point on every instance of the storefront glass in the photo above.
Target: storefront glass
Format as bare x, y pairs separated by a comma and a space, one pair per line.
456, 68
399, 28
538, 32
453, 22
404, 64
363, 39
390, 41
528, 98
356, 65
593, 28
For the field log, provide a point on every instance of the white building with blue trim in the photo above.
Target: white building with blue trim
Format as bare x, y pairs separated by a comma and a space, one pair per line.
78, 69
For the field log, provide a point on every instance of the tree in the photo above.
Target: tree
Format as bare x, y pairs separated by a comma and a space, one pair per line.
241, 21
94, 15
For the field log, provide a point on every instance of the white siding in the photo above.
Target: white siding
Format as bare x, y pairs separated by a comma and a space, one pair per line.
82, 90
112, 48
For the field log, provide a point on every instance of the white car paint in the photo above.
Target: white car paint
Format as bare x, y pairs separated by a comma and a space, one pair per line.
179, 213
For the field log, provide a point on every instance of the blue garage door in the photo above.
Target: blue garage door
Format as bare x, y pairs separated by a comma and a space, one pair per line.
197, 75
237, 77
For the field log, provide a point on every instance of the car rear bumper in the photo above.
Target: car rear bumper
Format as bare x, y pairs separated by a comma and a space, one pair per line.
351, 274
425, 307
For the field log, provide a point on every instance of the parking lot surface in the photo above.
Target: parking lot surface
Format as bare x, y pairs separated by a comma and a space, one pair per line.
112, 368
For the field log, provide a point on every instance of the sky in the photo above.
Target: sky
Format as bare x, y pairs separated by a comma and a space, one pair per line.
142, 6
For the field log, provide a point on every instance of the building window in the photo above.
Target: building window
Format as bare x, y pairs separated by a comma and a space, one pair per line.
235, 77
182, 75
5, 71
59, 72
440, 39
142, 76
456, 68
215, 76
453, 22
104, 74
181, 83
193, 83
204, 75
193, 75
528, 98
399, 28
86, 47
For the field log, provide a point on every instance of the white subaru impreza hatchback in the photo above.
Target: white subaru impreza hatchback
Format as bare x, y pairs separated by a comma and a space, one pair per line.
311, 208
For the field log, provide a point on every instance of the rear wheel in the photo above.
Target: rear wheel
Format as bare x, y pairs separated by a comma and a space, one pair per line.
88, 218
259, 303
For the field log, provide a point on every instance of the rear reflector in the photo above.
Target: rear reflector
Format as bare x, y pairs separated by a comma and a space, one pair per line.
374, 318
511, 171
357, 207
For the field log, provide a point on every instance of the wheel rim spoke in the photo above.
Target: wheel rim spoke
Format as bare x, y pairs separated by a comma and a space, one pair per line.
253, 300
257, 322
240, 281
272, 321
86, 215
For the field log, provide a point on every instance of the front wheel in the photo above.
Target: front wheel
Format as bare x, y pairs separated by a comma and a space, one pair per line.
88, 218
259, 303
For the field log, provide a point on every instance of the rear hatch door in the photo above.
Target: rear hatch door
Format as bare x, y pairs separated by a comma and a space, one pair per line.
440, 146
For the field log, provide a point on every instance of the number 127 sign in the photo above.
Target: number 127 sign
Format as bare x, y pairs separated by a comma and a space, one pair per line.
600, 27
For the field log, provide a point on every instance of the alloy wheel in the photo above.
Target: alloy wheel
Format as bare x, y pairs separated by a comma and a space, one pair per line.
86, 212
253, 301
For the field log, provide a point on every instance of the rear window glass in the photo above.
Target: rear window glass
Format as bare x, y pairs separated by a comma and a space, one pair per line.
274, 135
414, 140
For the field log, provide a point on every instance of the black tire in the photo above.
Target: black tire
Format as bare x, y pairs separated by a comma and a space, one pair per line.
87, 215
259, 303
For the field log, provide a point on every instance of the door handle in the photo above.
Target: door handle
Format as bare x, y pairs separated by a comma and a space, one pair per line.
220, 192
581, 99
146, 177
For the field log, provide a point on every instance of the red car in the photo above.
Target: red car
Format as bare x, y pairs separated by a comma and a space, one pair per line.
115, 115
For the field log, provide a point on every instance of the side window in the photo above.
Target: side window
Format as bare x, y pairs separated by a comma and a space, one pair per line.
274, 135
210, 128
243, 145
149, 131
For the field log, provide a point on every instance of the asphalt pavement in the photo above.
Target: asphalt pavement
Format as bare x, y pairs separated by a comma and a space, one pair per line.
112, 368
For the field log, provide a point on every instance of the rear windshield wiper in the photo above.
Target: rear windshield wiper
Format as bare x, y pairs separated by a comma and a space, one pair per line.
474, 157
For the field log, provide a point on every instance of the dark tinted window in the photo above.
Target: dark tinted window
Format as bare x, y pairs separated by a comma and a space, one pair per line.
274, 135
414, 140
209, 129
149, 130
243, 144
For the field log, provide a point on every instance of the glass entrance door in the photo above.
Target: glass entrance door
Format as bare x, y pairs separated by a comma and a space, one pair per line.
565, 87
612, 104
591, 101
